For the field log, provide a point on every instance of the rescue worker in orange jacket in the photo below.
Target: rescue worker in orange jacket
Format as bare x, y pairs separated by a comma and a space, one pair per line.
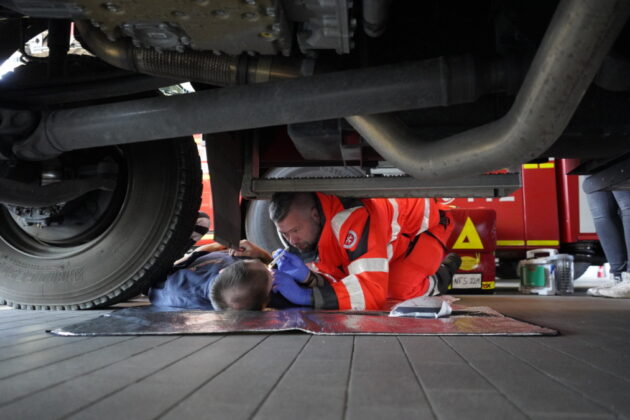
356, 253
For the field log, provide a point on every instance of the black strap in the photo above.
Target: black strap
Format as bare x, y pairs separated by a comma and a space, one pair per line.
201, 229
444, 221
350, 202
324, 297
362, 247
188, 261
412, 245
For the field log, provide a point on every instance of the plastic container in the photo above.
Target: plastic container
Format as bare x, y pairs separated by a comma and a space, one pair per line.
537, 272
549, 274
564, 272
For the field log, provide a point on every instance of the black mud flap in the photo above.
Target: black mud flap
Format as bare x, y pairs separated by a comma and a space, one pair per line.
225, 163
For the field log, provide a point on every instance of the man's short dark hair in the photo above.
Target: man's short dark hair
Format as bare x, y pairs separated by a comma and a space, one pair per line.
252, 281
281, 203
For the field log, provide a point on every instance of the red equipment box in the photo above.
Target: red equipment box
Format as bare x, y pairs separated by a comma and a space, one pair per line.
474, 239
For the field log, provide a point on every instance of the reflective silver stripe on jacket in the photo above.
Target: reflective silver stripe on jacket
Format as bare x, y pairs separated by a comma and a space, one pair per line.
313, 267
340, 218
355, 292
432, 290
369, 264
395, 229
427, 215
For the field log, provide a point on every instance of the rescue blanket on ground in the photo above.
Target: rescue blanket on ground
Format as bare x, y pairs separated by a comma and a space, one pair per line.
158, 321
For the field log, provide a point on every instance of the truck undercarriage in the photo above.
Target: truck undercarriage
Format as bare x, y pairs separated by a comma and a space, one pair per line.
99, 180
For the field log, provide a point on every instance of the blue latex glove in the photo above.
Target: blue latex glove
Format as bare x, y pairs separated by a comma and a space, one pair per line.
291, 290
292, 265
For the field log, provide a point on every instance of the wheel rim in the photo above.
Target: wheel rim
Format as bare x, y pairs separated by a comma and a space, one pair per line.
84, 220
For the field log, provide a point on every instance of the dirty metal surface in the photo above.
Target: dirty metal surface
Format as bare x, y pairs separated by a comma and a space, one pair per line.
495, 185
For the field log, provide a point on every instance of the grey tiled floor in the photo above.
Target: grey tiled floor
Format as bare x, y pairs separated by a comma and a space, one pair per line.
583, 373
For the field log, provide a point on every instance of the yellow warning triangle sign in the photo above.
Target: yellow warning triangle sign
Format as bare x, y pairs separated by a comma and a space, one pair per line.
468, 238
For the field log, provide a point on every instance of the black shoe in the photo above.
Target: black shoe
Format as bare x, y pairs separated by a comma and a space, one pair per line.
201, 228
447, 269
452, 261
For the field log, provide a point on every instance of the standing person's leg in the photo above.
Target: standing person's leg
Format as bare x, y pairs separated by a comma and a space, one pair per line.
623, 201
609, 229
622, 238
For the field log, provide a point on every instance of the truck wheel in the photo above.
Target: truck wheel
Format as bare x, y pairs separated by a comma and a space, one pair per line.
259, 228
104, 246
585, 254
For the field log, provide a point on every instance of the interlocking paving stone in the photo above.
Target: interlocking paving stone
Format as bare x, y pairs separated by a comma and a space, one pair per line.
382, 384
111, 350
38, 326
473, 405
237, 392
592, 382
608, 358
30, 347
582, 373
84, 390
528, 388
153, 395
312, 386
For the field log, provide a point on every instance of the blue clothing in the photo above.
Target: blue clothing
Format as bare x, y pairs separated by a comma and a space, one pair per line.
190, 284
611, 215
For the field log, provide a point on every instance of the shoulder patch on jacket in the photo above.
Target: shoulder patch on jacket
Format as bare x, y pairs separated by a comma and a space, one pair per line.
360, 246
351, 239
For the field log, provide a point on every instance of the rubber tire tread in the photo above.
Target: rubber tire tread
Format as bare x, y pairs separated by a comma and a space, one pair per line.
173, 242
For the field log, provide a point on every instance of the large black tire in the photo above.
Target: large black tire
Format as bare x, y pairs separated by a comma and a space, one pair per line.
585, 254
147, 227
259, 228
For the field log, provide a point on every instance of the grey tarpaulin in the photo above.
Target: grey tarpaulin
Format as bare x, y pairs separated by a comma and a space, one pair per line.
158, 321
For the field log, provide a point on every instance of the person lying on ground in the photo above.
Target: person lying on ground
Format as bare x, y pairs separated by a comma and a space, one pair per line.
212, 279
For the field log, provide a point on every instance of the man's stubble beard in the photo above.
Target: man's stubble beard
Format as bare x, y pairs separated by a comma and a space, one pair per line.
312, 246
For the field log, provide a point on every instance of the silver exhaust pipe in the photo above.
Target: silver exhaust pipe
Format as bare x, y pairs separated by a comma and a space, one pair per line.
435, 82
575, 44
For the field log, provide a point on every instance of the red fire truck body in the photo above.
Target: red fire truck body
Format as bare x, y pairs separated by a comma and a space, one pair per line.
549, 211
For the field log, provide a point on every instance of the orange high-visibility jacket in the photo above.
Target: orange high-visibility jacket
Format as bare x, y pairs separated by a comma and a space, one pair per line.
363, 242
